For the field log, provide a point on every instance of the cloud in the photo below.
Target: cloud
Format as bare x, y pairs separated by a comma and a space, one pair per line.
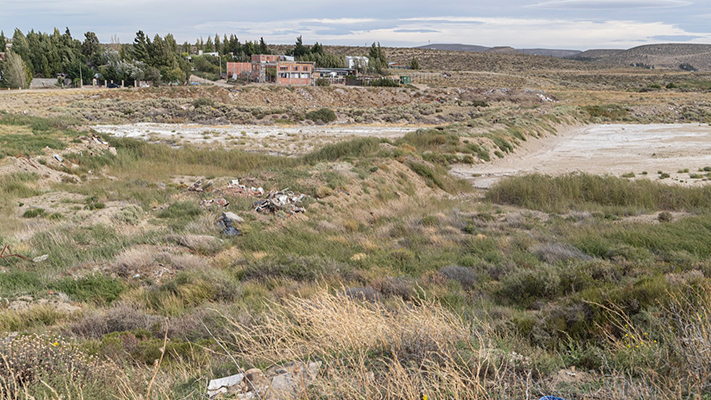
415, 30
608, 4
676, 38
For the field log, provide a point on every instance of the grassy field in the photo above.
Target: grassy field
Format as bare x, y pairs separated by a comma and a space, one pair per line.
401, 280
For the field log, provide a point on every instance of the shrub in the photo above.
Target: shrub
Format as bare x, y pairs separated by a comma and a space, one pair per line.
322, 82
203, 101
130, 214
465, 276
97, 289
665, 216
324, 115
526, 286
34, 213
181, 209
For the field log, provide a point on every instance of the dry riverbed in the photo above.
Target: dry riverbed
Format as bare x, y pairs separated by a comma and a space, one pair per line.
275, 139
679, 150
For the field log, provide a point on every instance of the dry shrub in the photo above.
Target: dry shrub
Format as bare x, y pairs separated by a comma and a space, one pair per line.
465, 276
372, 351
150, 261
121, 317
31, 363
558, 252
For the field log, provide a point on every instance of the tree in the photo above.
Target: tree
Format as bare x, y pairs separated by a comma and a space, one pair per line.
218, 46
299, 48
263, 49
209, 46
3, 42
317, 49
20, 46
377, 60
14, 72
91, 48
140, 47
414, 64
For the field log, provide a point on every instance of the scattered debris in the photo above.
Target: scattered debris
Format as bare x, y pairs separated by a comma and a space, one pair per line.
228, 221
58, 158
40, 258
278, 382
222, 202
282, 200
199, 186
235, 189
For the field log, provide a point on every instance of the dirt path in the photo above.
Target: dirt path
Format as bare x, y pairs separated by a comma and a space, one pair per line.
606, 149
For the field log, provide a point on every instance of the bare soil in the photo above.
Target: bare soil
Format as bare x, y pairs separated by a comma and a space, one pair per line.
614, 149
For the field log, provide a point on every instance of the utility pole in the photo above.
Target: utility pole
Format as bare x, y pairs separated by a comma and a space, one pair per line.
81, 79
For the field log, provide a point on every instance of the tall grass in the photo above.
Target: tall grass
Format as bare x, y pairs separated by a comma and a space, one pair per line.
579, 191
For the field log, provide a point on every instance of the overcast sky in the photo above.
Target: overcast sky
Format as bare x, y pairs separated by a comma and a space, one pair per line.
561, 24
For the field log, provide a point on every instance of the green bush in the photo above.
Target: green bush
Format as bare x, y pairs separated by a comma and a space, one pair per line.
96, 289
324, 115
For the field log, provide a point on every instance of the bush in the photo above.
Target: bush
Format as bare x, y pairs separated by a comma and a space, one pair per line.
384, 82
98, 289
322, 82
665, 216
324, 115
463, 275
34, 213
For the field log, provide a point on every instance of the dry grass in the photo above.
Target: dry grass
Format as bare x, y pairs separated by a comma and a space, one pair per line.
370, 350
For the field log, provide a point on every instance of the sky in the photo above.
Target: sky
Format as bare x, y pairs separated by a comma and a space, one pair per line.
555, 24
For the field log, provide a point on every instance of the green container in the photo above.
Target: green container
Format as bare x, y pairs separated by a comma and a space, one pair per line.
405, 79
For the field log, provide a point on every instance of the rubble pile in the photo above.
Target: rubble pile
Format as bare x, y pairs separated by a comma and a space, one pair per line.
278, 382
282, 200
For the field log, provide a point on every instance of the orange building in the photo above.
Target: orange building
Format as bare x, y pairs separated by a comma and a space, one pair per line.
294, 72
239, 70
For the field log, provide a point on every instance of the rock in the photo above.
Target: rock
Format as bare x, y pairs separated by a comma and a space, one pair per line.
291, 379
228, 222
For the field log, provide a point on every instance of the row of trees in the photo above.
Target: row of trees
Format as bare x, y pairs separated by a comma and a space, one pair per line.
38, 54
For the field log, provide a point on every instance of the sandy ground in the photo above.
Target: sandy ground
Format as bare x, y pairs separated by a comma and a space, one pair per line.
279, 139
605, 149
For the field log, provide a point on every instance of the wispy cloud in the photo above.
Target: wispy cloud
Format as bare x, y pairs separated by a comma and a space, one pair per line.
608, 4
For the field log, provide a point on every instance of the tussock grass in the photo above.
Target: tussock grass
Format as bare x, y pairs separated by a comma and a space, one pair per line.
578, 191
372, 351
356, 148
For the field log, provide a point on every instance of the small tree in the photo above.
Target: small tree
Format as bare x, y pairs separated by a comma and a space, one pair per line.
377, 60
414, 64
15, 73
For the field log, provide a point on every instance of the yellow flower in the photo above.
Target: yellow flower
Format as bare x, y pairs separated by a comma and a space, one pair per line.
55, 344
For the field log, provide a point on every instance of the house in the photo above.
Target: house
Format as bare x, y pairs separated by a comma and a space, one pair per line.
279, 69
236, 70
294, 72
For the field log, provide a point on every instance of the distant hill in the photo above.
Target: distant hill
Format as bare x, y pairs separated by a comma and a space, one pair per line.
499, 49
454, 47
657, 56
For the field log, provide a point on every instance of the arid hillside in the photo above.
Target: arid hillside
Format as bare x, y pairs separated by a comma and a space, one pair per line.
687, 57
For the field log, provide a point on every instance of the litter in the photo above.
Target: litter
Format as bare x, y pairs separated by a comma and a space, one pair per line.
40, 258
214, 202
228, 221
199, 186
58, 158
282, 200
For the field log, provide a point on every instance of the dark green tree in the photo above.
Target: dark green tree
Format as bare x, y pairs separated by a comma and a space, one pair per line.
91, 48
3, 42
299, 49
139, 51
263, 48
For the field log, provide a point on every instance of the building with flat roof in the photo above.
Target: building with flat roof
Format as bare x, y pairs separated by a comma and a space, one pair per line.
270, 68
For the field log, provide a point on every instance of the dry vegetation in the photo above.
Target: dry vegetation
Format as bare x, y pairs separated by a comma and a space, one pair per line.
400, 279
